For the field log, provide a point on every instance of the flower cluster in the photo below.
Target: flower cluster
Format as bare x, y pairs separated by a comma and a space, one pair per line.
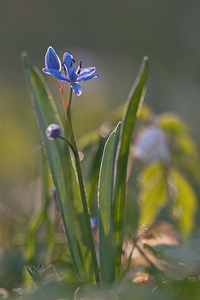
54, 67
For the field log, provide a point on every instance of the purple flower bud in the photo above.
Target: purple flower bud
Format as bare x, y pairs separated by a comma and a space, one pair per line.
53, 131
94, 222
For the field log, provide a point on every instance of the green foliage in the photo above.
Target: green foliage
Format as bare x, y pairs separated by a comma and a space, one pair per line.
106, 233
134, 100
165, 188
169, 187
41, 215
162, 187
64, 177
153, 192
185, 289
184, 202
181, 144
94, 172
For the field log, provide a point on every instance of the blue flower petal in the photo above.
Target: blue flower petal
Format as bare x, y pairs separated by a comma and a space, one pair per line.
52, 60
85, 72
59, 75
69, 64
76, 88
89, 77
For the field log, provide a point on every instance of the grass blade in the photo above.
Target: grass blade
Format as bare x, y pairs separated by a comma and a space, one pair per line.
106, 234
128, 123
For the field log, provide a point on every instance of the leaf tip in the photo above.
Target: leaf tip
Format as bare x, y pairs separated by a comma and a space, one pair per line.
25, 59
24, 54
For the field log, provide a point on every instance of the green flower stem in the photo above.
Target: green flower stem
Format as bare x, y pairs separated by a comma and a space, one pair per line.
82, 189
70, 145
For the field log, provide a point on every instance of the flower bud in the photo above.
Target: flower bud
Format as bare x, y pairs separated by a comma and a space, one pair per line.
94, 222
53, 131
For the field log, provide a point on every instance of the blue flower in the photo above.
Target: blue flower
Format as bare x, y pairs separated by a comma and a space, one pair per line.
53, 67
53, 131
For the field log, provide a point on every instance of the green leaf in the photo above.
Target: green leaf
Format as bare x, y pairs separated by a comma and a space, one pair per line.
47, 196
153, 192
63, 175
94, 172
172, 123
181, 144
106, 234
185, 202
31, 239
134, 101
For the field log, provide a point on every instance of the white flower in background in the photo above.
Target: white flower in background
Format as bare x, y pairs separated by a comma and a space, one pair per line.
151, 145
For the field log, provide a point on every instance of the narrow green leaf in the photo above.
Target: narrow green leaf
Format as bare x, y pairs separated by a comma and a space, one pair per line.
106, 234
47, 198
63, 175
94, 172
135, 99
31, 239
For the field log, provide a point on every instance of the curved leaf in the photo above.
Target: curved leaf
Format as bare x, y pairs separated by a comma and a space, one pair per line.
63, 175
134, 101
106, 234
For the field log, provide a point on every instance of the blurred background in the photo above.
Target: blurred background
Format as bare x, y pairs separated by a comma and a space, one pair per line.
111, 35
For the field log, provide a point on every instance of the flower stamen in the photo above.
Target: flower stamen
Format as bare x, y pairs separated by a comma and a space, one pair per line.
72, 62
64, 68
79, 68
